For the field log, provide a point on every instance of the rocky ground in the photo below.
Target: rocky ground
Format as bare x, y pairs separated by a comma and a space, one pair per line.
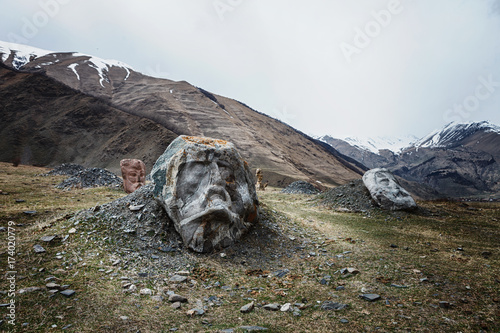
145, 240
82, 177
302, 268
353, 197
300, 187
65, 169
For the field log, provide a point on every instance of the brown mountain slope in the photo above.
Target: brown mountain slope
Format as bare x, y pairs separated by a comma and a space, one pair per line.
283, 153
47, 123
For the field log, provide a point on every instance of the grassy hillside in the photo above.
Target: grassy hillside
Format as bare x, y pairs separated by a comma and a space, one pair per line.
434, 272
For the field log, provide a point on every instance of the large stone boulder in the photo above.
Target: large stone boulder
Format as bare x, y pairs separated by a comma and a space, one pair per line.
386, 191
133, 174
207, 190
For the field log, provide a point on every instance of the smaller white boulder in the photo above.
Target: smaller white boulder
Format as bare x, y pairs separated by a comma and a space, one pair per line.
386, 191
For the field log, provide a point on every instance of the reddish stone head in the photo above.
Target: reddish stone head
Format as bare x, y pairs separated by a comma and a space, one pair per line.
133, 174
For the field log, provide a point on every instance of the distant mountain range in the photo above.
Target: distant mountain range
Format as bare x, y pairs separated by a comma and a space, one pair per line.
58, 107
458, 160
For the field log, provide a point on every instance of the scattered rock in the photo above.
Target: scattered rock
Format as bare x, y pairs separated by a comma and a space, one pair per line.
370, 297
38, 248
349, 270
48, 239
177, 298
286, 307
247, 308
176, 305
444, 305
30, 212
178, 279
29, 290
344, 321
52, 285
135, 208
68, 292
486, 254
271, 307
300, 187
281, 273
146, 291
398, 286
253, 328
329, 305
197, 312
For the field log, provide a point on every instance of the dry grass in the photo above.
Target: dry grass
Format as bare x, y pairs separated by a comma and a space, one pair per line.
427, 247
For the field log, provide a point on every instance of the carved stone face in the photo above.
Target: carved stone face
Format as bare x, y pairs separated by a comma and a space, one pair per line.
207, 190
387, 181
386, 191
133, 174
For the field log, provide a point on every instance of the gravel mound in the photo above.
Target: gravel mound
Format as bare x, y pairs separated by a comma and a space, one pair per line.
138, 232
353, 196
143, 235
92, 177
70, 169
300, 187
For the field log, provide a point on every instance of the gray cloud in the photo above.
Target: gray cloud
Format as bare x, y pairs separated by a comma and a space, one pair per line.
369, 67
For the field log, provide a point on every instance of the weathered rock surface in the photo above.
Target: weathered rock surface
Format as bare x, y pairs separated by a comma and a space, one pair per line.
133, 174
260, 182
386, 191
207, 190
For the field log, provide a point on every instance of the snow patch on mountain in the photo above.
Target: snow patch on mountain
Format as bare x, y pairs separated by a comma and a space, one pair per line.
102, 66
73, 68
22, 54
375, 144
454, 132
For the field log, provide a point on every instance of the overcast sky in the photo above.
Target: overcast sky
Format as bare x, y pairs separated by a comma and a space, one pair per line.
345, 68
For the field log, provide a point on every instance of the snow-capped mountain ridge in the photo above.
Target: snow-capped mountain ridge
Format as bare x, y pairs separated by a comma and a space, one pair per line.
453, 133
375, 144
22, 55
